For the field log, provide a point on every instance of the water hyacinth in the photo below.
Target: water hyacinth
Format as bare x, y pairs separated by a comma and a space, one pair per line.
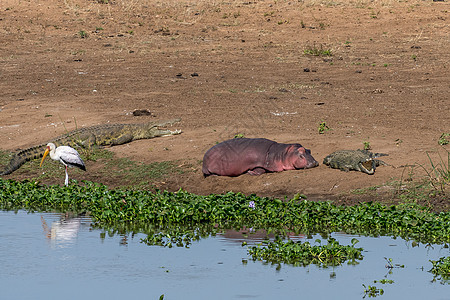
303, 254
111, 207
441, 269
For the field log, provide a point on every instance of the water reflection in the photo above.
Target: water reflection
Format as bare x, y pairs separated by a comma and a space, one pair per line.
63, 231
83, 257
253, 236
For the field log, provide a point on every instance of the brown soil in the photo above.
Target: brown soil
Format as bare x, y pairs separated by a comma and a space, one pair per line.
235, 67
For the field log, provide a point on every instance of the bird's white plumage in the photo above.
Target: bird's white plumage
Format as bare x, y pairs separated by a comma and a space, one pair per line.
68, 156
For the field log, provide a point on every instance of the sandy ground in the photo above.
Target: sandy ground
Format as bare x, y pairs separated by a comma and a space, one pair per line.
230, 68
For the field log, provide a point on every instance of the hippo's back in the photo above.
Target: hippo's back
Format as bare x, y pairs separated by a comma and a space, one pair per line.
236, 156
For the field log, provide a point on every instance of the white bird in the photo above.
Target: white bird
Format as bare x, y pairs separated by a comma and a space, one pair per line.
66, 155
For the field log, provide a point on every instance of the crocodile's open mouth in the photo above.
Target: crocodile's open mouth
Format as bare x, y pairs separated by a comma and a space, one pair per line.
368, 166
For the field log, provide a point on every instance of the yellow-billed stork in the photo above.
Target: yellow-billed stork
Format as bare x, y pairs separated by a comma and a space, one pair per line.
66, 155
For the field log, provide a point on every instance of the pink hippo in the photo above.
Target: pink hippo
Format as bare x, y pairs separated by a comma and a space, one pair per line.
255, 157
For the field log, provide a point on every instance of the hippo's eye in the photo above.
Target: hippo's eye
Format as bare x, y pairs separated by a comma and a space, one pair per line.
367, 164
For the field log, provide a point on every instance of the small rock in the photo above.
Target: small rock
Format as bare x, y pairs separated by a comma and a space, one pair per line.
141, 112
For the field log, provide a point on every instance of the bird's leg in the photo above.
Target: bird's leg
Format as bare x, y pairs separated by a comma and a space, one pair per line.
66, 182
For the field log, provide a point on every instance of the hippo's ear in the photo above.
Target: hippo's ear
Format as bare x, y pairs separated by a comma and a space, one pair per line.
292, 148
298, 150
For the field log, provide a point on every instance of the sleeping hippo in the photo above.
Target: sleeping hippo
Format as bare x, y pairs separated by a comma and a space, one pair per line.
255, 157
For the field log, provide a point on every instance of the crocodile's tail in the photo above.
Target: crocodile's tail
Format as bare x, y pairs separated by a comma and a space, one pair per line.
22, 157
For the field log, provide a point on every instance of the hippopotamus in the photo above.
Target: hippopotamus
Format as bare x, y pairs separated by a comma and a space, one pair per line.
255, 156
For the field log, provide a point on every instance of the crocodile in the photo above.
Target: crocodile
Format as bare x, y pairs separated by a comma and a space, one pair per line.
98, 135
358, 160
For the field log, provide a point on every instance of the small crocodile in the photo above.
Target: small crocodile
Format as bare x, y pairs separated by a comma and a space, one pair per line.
359, 160
98, 135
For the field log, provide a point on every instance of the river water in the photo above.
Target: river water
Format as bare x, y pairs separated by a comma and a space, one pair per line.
54, 256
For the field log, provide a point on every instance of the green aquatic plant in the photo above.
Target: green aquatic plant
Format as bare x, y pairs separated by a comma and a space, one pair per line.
384, 281
179, 239
303, 254
372, 291
179, 236
390, 264
117, 207
441, 269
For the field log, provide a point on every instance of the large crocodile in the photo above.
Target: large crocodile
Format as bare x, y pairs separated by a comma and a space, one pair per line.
98, 135
358, 160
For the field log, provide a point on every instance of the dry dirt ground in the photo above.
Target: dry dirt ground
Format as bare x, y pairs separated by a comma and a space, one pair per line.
228, 68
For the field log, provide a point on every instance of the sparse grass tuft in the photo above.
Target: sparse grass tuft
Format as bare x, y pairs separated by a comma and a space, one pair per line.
94, 153
443, 139
439, 176
323, 127
5, 157
317, 51
433, 186
83, 34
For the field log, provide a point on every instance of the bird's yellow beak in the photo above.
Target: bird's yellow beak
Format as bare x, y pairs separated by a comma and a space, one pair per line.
45, 154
